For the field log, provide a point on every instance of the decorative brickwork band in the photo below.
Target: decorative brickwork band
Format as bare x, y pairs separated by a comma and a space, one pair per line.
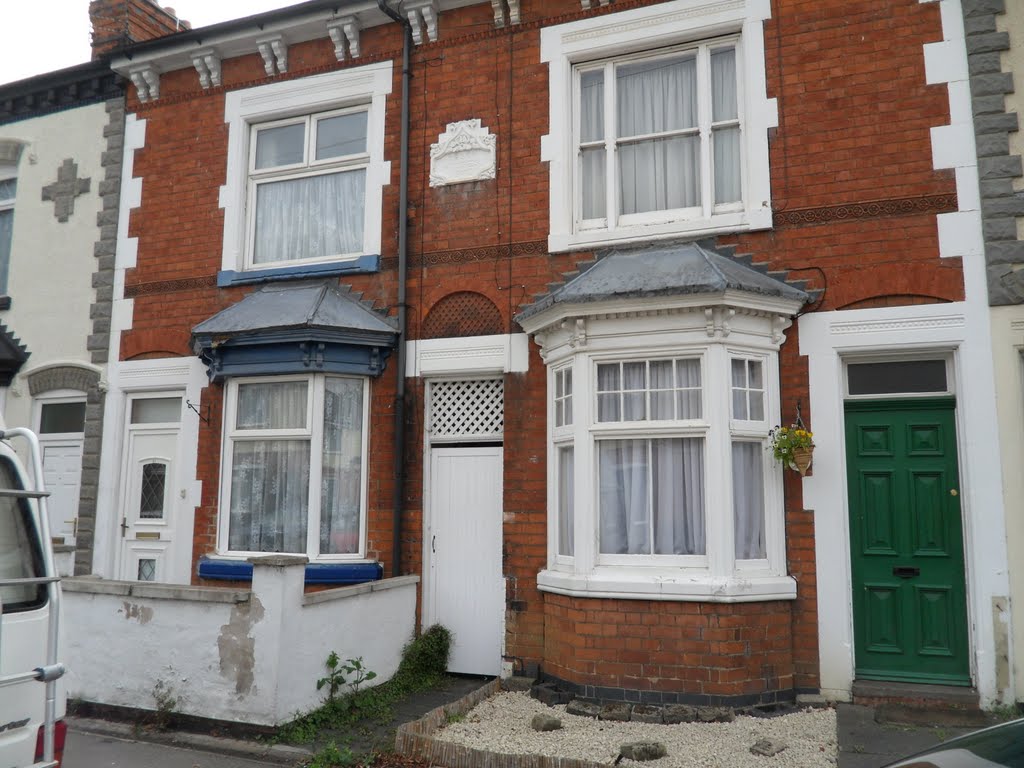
871, 210
64, 377
170, 286
469, 255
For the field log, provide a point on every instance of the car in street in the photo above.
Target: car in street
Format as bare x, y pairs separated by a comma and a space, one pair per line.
1001, 746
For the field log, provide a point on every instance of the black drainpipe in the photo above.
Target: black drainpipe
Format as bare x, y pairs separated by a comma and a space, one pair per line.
403, 227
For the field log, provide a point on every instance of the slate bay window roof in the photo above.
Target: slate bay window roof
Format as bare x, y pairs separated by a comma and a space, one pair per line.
13, 355
687, 269
295, 328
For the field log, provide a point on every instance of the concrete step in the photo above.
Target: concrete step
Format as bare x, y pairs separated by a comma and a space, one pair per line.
919, 704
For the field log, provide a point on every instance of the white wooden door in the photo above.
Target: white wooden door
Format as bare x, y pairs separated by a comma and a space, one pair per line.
62, 474
151, 489
465, 588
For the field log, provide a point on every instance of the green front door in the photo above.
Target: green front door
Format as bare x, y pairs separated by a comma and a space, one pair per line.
909, 604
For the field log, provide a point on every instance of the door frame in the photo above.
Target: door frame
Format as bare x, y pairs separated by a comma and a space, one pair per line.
961, 330
945, 401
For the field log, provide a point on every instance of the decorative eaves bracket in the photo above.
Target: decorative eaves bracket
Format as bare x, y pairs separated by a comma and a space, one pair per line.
423, 18
344, 34
207, 64
146, 79
500, 7
274, 51
587, 4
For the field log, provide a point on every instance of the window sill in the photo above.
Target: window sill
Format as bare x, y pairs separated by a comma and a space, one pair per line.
223, 569
739, 221
358, 266
666, 584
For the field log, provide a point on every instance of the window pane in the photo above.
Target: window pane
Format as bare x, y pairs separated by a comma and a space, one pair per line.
566, 500
754, 372
656, 96
623, 497
269, 496
8, 189
727, 165
897, 377
341, 493
677, 481
341, 135
608, 378
284, 145
592, 105
592, 183
748, 500
62, 417
156, 410
272, 405
154, 481
739, 373
310, 217
6, 234
651, 491
756, 405
723, 85
608, 408
20, 555
659, 174
739, 404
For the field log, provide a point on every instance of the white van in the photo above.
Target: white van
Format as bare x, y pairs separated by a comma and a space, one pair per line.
32, 699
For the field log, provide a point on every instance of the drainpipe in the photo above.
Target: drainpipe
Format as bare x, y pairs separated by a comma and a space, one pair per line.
403, 227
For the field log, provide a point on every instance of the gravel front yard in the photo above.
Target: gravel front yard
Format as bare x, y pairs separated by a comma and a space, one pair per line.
502, 724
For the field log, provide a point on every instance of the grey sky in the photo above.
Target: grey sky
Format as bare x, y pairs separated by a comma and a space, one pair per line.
38, 36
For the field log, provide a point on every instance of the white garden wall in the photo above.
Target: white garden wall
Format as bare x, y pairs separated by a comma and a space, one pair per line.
250, 656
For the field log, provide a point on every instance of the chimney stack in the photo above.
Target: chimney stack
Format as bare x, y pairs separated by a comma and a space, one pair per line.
117, 23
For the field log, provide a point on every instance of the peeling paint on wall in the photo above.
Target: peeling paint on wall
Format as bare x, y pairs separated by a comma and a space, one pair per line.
1001, 633
141, 613
237, 647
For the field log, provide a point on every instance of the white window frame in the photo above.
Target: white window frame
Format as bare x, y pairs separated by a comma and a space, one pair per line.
647, 30
717, 576
358, 88
311, 433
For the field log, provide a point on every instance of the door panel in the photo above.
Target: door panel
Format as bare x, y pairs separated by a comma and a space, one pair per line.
466, 591
147, 519
62, 473
909, 596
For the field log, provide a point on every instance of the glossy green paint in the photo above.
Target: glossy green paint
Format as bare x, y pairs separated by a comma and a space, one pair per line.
906, 539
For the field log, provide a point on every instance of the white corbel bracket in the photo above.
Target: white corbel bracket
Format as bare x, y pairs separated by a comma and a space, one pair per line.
500, 6
207, 64
577, 329
344, 34
587, 5
274, 51
423, 18
146, 80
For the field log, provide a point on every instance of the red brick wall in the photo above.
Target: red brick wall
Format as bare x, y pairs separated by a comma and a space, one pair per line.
855, 198
120, 22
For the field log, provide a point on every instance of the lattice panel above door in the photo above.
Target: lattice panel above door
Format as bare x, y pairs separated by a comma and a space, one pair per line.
467, 411
463, 313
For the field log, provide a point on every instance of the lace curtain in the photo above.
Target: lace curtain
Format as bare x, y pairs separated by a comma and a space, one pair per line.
310, 217
6, 233
748, 499
342, 465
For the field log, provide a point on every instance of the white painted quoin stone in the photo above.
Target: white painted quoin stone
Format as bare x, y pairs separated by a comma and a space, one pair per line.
465, 152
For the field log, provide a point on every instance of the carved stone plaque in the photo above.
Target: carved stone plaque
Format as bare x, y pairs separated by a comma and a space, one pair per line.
464, 152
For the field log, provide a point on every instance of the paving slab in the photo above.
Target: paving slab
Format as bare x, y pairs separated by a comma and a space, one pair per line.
866, 743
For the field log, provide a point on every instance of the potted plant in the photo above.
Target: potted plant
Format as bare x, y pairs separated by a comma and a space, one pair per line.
793, 446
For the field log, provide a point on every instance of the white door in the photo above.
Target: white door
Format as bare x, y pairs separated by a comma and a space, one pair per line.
61, 430
151, 490
465, 588
62, 474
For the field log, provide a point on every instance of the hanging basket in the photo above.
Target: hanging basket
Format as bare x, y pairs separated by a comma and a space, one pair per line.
802, 458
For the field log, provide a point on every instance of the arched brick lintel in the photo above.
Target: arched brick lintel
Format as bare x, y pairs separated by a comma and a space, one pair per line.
73, 377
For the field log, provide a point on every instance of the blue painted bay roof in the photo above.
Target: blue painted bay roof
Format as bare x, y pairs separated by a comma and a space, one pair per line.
670, 270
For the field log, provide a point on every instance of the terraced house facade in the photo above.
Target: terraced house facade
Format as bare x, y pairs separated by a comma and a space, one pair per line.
510, 295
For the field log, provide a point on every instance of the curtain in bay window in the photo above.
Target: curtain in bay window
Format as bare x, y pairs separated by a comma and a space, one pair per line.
652, 496
310, 217
748, 500
726, 140
654, 97
342, 467
566, 497
6, 233
269, 496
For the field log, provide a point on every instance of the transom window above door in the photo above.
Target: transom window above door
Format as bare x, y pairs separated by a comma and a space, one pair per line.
307, 187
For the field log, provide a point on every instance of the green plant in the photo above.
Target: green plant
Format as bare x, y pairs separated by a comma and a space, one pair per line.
333, 757
166, 703
786, 441
424, 659
1003, 712
337, 675
455, 717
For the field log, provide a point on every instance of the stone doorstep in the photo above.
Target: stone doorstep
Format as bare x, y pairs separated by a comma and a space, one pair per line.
917, 695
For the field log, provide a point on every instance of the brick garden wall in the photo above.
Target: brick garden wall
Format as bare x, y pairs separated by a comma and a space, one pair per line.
855, 198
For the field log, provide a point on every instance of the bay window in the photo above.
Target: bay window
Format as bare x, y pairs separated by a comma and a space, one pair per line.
294, 466
8, 188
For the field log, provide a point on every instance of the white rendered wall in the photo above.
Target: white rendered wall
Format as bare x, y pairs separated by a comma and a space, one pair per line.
52, 263
229, 654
